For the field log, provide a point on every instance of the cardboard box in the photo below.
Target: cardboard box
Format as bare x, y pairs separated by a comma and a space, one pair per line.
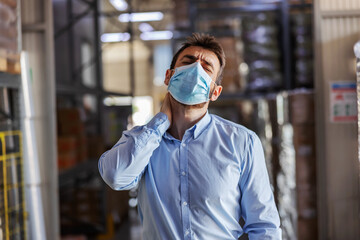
3, 64
307, 229
305, 170
75, 145
302, 108
9, 62
83, 148
69, 115
10, 3
8, 32
9, 44
304, 139
71, 128
117, 202
67, 159
306, 201
231, 81
181, 14
13, 67
74, 237
95, 146
67, 143
87, 194
66, 210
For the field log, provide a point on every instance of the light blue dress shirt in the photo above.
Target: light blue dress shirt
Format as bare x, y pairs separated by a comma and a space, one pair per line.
197, 188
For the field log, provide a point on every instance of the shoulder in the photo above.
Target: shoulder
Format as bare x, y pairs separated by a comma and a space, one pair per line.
232, 128
239, 139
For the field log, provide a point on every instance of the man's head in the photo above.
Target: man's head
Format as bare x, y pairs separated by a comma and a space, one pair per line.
206, 42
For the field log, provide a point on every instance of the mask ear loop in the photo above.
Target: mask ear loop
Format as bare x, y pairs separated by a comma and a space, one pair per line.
171, 74
211, 93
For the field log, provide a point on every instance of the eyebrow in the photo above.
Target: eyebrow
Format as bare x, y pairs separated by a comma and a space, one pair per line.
192, 57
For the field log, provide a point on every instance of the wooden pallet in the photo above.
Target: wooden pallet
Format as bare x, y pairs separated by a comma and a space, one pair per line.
10, 62
10, 3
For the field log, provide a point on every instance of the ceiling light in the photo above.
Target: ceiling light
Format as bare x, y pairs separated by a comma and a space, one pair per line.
120, 5
145, 27
156, 35
115, 37
141, 17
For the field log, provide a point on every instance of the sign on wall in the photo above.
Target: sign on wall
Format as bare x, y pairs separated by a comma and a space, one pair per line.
343, 102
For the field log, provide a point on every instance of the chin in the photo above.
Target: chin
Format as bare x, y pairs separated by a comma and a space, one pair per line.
196, 106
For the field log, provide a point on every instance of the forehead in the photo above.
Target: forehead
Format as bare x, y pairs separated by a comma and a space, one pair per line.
200, 53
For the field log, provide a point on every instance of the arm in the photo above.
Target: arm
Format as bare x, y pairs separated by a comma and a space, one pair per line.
257, 202
122, 166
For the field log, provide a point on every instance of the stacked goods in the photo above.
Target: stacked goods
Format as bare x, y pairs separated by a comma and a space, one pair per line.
303, 120
87, 207
303, 51
283, 162
9, 47
231, 81
181, 14
261, 52
95, 146
72, 142
117, 203
301, 1
81, 208
74, 237
67, 151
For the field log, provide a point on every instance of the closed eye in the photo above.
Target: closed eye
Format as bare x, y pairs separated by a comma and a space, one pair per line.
189, 59
207, 69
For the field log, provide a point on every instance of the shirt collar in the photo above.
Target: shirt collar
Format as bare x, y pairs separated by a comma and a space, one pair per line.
197, 129
201, 125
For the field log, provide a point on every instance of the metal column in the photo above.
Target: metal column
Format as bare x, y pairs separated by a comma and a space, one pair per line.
357, 54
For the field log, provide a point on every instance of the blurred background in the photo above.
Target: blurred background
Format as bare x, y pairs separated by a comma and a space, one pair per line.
74, 74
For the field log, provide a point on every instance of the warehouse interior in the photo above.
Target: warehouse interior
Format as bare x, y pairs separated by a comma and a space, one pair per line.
74, 74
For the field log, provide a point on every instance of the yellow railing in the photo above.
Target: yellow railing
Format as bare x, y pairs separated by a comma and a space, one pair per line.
13, 159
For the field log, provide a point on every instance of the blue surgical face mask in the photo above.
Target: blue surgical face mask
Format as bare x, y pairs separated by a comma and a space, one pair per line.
190, 84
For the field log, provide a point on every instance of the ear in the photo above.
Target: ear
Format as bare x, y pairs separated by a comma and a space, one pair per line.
216, 93
168, 75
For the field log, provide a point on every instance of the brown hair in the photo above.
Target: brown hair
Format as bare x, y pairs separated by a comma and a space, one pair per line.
207, 42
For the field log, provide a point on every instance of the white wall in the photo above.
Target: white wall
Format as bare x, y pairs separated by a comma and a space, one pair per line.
337, 29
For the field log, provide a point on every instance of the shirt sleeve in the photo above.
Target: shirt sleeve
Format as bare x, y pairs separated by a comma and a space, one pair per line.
122, 166
257, 201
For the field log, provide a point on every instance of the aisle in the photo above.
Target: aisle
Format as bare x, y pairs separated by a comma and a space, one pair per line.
131, 228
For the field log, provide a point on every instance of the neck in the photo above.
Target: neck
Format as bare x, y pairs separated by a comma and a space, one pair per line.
185, 117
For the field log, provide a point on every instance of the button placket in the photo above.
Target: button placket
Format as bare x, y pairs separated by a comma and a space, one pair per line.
184, 190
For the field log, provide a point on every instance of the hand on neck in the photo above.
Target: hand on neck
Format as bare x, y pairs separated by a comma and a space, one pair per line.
185, 116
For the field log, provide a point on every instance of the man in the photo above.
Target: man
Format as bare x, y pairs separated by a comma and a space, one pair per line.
198, 174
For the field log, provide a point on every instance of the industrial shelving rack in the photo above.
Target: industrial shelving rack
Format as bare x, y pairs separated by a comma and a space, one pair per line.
196, 9
217, 9
72, 90
13, 214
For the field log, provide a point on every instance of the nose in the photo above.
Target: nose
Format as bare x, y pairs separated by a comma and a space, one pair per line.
202, 63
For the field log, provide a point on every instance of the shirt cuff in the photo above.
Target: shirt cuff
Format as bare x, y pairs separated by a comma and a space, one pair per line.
160, 123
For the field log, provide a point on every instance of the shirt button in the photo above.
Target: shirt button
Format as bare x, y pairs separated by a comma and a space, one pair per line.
184, 144
183, 173
184, 203
187, 232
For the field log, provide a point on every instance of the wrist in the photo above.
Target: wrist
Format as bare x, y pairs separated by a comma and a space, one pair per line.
160, 122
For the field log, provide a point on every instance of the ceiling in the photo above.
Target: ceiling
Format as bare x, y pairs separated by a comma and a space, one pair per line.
110, 14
